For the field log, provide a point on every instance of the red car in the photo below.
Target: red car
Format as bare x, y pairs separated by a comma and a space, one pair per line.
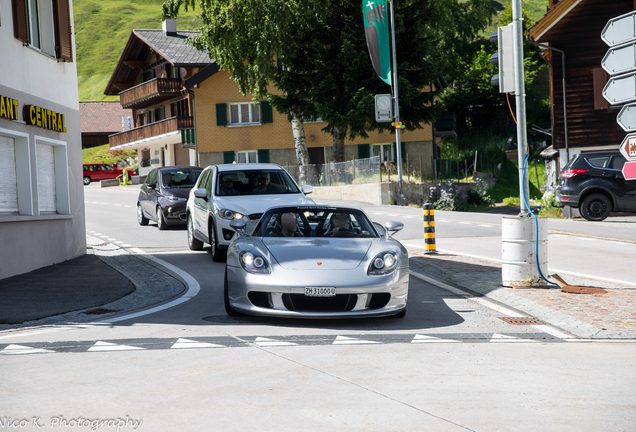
102, 171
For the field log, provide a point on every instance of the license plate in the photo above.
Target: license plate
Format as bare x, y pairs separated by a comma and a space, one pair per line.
320, 291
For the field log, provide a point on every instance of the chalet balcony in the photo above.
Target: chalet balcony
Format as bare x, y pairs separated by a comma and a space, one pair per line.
150, 92
152, 132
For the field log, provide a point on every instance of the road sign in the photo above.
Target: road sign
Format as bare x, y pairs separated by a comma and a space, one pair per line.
620, 30
383, 108
627, 118
629, 170
628, 147
620, 89
620, 59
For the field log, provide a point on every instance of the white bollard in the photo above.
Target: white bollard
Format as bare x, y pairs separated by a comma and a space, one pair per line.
519, 252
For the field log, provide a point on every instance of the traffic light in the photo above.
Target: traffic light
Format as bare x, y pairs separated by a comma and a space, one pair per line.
504, 59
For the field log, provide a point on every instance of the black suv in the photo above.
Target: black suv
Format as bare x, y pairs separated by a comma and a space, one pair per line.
594, 183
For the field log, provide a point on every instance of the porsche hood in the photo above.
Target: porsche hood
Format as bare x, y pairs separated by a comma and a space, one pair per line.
318, 253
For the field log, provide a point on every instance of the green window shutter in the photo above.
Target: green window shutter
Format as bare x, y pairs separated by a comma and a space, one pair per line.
228, 157
263, 156
363, 151
266, 112
221, 115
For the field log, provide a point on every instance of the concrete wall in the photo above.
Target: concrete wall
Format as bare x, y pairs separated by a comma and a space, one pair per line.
30, 239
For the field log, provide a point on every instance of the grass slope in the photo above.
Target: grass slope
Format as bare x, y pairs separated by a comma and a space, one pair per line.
102, 28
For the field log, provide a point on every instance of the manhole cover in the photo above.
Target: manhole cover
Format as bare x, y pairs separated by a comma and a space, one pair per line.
582, 290
100, 311
521, 321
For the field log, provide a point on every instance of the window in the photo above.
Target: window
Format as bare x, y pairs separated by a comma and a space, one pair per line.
598, 162
385, 151
47, 200
245, 113
179, 109
44, 25
247, 156
8, 182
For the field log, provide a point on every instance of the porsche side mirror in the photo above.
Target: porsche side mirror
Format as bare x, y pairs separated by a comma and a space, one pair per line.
392, 227
201, 193
238, 225
307, 189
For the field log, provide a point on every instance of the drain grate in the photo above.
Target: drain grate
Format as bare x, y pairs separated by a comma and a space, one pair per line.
582, 290
100, 311
101, 244
521, 321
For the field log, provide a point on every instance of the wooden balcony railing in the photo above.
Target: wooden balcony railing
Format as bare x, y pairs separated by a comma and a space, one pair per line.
151, 130
150, 92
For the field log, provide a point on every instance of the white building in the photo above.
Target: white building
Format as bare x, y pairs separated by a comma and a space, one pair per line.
41, 192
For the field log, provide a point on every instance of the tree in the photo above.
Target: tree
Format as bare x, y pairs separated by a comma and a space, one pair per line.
323, 66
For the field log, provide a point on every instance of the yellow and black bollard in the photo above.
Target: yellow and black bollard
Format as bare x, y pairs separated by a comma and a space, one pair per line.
429, 228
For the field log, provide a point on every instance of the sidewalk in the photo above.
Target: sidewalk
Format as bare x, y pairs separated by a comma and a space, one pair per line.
109, 282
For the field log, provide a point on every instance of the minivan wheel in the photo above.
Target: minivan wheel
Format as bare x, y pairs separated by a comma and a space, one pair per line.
87, 180
595, 207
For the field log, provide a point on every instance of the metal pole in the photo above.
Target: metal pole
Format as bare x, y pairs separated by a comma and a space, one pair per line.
398, 148
565, 103
520, 99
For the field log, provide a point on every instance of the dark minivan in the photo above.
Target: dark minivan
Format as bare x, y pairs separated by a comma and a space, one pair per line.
594, 183
163, 196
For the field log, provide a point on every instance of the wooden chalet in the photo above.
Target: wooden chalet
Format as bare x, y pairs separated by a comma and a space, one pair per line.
574, 27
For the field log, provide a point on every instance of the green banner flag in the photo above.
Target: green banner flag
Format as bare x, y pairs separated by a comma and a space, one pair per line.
376, 30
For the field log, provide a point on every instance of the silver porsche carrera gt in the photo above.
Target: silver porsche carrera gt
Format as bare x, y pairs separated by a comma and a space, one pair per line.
316, 262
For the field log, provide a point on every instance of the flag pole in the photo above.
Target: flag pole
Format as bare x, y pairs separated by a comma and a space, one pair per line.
394, 87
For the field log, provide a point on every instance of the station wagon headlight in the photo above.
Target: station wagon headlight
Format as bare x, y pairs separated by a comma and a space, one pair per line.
229, 214
253, 262
383, 263
174, 198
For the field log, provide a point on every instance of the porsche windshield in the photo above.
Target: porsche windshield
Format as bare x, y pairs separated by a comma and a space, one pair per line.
294, 222
254, 182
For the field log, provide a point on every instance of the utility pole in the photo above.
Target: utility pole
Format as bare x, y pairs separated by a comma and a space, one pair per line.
398, 146
520, 102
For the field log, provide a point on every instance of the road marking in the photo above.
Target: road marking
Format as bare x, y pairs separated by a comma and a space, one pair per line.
345, 340
187, 343
430, 339
261, 341
466, 223
497, 337
22, 349
486, 226
108, 346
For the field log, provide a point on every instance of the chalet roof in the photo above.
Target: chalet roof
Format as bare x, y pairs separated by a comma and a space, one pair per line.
541, 30
102, 117
171, 47
174, 48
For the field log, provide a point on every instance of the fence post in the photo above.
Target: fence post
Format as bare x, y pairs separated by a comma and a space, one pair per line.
421, 174
429, 227
408, 169
380, 165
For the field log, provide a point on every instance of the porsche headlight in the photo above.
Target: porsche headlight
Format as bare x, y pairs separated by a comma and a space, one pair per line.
253, 262
383, 263
229, 214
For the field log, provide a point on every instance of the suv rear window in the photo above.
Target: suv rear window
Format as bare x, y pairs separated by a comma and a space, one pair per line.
618, 162
599, 161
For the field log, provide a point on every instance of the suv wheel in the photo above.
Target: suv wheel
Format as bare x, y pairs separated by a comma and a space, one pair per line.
193, 243
595, 207
218, 254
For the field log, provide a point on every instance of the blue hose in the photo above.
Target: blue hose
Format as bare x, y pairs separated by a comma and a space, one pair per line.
536, 221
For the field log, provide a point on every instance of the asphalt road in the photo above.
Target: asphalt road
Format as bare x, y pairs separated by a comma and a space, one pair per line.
450, 365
